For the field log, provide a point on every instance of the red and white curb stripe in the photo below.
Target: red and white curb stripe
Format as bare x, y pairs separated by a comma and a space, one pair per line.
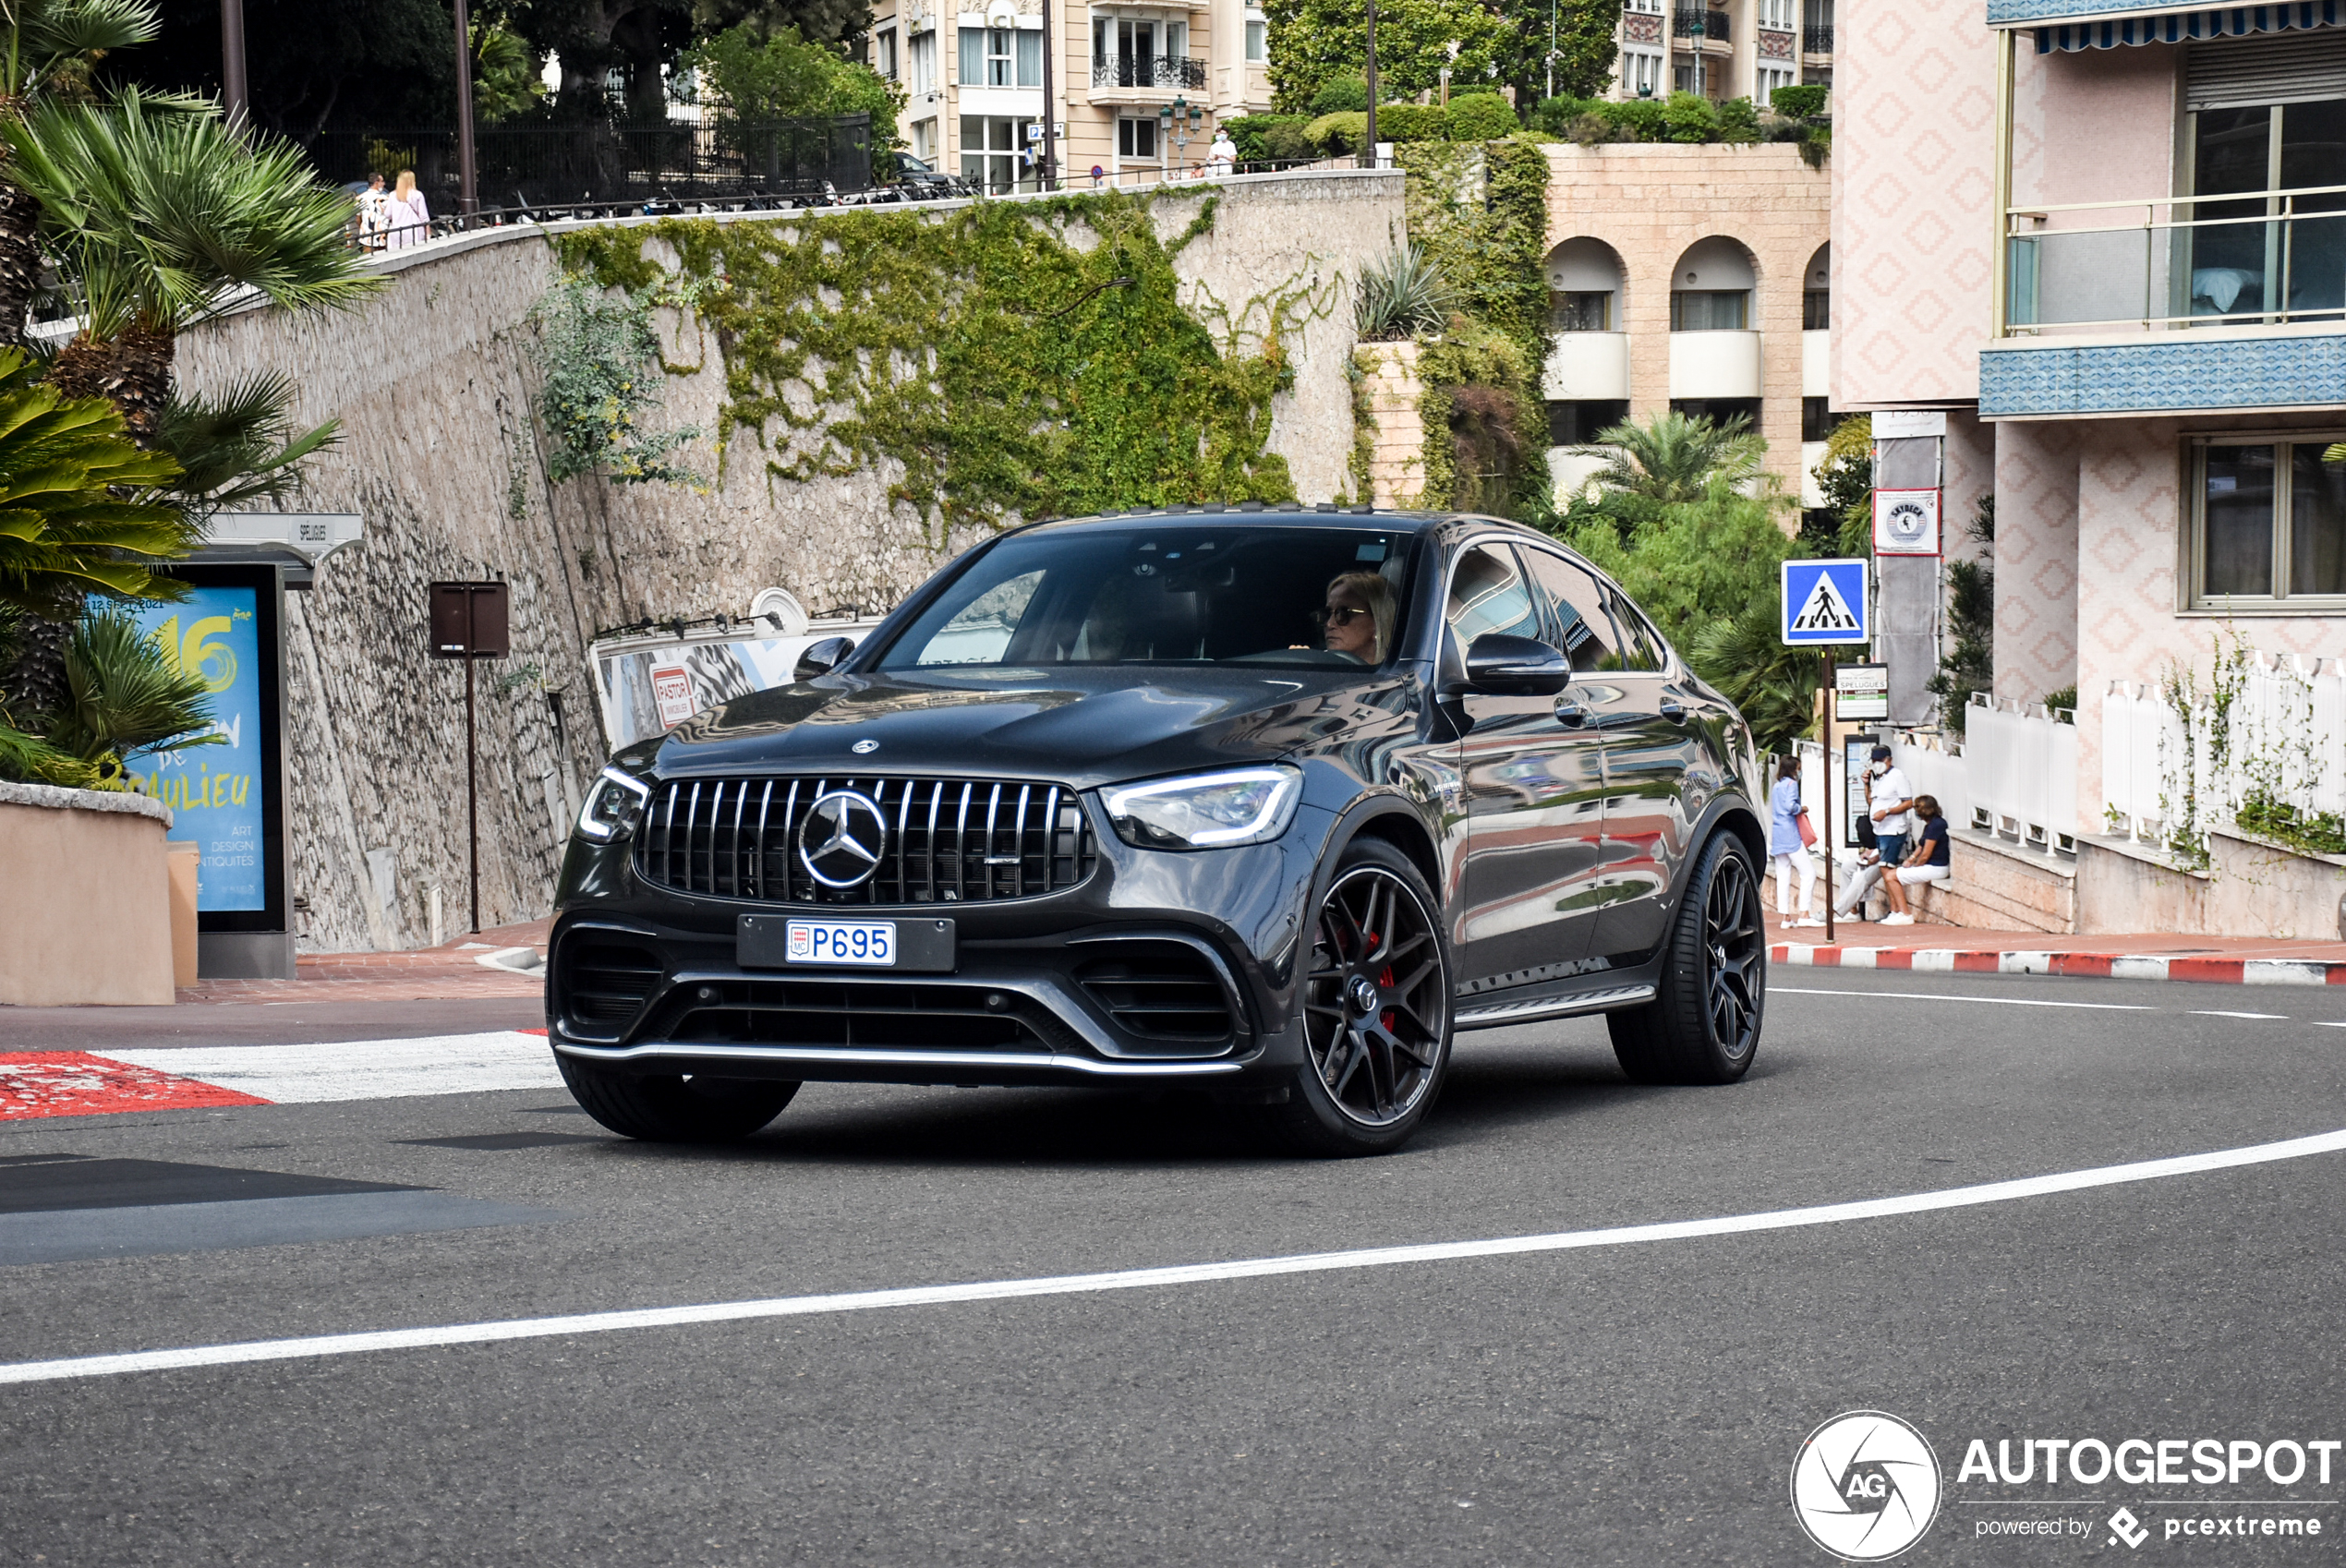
80, 1083
2097, 966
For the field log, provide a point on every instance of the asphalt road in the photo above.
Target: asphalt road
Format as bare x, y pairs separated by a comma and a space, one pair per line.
1641, 1403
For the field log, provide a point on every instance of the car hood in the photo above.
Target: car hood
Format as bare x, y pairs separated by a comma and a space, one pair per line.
1079, 726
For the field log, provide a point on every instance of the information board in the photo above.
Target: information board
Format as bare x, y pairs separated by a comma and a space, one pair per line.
220, 794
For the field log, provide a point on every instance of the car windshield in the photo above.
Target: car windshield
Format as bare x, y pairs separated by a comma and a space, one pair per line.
1172, 592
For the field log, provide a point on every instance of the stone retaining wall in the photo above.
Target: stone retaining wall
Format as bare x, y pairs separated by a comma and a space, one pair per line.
444, 458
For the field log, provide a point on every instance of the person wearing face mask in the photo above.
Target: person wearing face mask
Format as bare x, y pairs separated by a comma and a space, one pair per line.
1358, 618
1891, 799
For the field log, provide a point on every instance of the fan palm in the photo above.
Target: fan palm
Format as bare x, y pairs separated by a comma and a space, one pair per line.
78, 504
49, 47
238, 447
125, 693
160, 218
1676, 457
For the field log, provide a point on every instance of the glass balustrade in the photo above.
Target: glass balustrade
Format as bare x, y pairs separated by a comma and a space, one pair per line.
2264, 259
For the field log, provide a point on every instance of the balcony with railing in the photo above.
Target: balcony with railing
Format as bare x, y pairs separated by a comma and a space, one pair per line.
2174, 303
1169, 72
1690, 22
1817, 39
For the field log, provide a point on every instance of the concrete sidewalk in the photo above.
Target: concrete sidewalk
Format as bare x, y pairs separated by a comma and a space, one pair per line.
1961, 950
453, 970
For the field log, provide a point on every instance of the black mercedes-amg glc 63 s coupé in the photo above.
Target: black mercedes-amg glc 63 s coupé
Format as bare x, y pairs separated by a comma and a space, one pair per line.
1267, 802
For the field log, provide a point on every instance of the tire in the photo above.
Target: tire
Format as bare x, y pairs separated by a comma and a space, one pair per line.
1375, 1009
1703, 1024
675, 1110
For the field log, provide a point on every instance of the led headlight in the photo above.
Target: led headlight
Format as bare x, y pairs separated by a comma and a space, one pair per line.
614, 804
1206, 811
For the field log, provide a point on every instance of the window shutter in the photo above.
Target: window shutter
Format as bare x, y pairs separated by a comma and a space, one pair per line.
2288, 67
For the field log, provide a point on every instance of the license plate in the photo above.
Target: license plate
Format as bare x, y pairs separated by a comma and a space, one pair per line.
870, 942
787, 942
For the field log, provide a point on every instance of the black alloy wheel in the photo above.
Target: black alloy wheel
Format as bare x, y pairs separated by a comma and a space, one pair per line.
1703, 1024
1376, 1009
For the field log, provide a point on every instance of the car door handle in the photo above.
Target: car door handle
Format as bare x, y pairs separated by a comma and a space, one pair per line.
1674, 710
1570, 713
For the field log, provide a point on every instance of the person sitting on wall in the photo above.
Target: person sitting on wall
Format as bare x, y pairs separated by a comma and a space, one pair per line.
1928, 863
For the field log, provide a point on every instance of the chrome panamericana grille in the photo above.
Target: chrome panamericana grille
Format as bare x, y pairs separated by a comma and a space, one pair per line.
949, 840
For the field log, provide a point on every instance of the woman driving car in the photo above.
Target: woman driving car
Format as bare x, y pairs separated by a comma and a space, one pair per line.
1357, 621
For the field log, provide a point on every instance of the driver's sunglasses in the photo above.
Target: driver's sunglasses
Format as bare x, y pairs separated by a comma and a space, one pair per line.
1342, 615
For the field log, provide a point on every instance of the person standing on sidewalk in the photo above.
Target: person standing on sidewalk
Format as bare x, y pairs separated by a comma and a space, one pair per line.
1891, 798
1930, 861
1786, 849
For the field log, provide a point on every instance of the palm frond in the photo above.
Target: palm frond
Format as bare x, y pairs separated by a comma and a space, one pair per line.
1674, 457
239, 446
128, 694
162, 215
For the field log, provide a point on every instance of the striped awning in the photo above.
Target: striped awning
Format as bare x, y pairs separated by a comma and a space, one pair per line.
2181, 27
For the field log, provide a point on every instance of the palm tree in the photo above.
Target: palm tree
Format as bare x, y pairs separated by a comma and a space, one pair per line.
1676, 457
82, 509
161, 217
49, 47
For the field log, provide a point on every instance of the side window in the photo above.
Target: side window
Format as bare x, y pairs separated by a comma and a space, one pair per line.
980, 633
1488, 594
1576, 605
1641, 646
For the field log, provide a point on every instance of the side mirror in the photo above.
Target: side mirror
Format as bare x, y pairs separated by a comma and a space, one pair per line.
822, 658
1520, 667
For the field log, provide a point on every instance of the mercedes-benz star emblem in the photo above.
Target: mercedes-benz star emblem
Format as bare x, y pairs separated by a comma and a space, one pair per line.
865, 748
841, 840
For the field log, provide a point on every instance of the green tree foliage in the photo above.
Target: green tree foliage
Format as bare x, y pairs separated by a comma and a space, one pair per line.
311, 66
155, 213
1691, 117
1798, 102
755, 78
1970, 665
126, 694
78, 507
1844, 525
1479, 116
1341, 94
1411, 122
1262, 137
506, 82
1313, 42
1584, 50
600, 355
239, 446
1676, 457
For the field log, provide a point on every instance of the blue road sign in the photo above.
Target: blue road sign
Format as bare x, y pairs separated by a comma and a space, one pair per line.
1825, 603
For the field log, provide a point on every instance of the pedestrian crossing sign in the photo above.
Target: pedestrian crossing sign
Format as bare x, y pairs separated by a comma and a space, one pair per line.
1825, 603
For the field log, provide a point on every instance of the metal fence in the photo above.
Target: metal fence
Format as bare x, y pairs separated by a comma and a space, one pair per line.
611, 163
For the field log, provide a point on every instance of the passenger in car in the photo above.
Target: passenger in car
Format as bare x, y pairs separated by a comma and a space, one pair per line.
1359, 616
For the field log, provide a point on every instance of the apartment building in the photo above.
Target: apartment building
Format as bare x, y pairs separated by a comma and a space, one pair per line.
1722, 48
1695, 278
2101, 244
1138, 87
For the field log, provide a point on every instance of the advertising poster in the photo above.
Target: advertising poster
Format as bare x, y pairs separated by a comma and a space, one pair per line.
215, 792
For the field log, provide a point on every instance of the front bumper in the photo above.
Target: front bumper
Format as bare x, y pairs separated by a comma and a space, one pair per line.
1166, 967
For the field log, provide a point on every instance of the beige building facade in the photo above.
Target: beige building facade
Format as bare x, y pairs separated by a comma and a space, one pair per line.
1138, 89
1694, 277
1722, 48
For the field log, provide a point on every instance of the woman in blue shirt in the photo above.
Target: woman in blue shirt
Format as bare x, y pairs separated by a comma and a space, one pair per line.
1784, 846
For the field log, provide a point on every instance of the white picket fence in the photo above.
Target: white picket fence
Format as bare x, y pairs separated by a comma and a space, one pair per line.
2020, 767
2286, 730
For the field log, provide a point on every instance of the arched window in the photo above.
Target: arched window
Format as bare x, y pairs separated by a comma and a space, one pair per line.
1584, 287
1710, 288
1816, 292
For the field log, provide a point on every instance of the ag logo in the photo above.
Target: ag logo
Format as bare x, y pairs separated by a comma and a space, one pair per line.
842, 838
1866, 1486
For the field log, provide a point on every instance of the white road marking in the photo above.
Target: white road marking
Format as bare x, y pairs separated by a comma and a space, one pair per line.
2218, 1013
1144, 1279
364, 1069
1998, 1001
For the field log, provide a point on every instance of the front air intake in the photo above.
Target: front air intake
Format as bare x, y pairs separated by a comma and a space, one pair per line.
1164, 990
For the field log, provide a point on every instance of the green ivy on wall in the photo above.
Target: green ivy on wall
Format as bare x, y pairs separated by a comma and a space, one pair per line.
1027, 359
1480, 211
